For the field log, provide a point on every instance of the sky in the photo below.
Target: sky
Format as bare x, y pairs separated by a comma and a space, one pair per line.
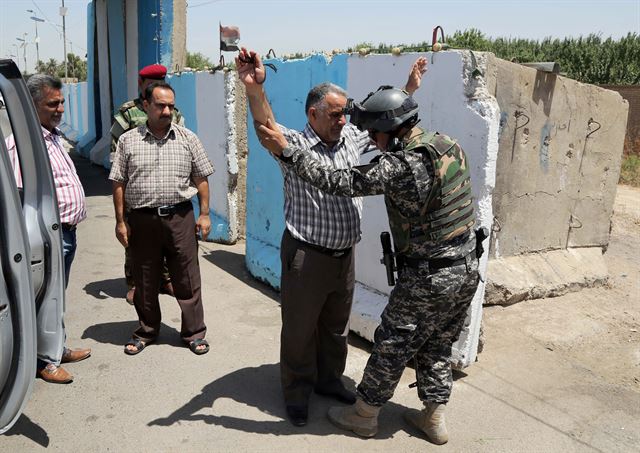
290, 26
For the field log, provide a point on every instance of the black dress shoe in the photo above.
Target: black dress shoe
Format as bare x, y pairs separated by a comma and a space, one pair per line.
339, 393
298, 415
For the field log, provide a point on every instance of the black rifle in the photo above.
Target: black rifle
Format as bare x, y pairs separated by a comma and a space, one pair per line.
387, 257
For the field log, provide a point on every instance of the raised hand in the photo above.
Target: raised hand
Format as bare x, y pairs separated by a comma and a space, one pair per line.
415, 75
250, 68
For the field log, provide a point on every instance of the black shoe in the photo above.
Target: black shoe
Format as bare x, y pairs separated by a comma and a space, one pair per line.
339, 393
298, 415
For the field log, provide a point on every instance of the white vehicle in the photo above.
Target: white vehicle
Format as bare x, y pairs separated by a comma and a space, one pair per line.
31, 266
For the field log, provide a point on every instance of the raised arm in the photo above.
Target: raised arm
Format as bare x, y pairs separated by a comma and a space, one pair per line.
415, 75
252, 74
357, 181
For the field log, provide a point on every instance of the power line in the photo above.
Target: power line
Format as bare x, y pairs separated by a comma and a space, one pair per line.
203, 3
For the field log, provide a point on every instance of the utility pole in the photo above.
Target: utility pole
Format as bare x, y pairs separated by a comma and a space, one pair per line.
37, 40
63, 13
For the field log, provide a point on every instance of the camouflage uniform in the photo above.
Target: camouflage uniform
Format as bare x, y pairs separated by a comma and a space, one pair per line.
427, 192
131, 115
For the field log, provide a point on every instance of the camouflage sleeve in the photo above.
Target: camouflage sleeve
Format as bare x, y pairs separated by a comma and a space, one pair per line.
178, 118
362, 180
117, 129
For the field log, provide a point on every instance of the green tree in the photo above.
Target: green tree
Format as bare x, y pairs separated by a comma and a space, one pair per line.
50, 67
76, 68
198, 61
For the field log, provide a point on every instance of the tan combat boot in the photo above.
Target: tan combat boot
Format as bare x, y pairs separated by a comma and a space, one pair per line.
429, 420
360, 418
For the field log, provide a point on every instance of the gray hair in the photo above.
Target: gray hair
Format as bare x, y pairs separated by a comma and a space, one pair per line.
317, 94
38, 82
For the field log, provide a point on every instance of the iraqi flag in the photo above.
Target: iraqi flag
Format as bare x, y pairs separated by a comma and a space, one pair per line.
229, 38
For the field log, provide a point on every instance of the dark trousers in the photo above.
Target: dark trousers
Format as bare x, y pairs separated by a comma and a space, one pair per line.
316, 293
173, 237
128, 273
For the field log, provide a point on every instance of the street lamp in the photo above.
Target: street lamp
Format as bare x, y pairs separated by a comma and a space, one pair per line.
23, 40
63, 13
37, 40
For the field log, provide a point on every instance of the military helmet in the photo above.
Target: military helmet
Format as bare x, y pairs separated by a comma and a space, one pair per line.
384, 110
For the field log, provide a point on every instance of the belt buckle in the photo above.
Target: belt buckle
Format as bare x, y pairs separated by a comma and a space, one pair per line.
164, 211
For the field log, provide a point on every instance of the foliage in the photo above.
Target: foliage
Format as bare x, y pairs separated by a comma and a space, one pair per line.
198, 61
76, 69
630, 170
590, 59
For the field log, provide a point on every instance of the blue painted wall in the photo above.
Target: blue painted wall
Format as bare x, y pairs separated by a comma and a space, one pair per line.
166, 33
155, 32
287, 90
185, 87
148, 29
88, 139
117, 53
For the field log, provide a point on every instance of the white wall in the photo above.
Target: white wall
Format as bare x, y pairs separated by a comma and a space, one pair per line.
454, 104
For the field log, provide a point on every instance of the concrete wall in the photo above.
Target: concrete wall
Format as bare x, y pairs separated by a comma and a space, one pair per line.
121, 38
450, 101
207, 102
549, 184
287, 91
631, 93
559, 160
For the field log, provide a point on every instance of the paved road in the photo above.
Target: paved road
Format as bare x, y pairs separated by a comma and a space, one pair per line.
522, 395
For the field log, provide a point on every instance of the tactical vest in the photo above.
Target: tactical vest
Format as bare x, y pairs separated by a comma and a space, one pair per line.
447, 209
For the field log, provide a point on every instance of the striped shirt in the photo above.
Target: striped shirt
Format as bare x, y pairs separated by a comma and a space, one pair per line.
69, 191
314, 216
159, 171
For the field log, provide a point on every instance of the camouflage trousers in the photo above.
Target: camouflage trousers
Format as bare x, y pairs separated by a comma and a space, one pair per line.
128, 274
424, 317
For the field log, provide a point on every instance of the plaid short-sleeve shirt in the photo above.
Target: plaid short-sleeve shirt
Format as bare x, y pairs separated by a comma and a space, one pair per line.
312, 215
159, 171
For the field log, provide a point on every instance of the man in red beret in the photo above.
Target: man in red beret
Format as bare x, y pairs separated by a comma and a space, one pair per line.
130, 115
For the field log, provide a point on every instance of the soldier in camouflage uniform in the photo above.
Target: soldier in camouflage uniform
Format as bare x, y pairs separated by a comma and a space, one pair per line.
131, 115
424, 177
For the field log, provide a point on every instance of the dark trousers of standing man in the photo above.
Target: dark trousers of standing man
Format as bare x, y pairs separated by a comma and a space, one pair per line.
173, 236
316, 292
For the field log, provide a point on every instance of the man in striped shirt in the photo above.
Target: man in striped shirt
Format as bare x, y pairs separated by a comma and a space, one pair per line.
318, 275
48, 99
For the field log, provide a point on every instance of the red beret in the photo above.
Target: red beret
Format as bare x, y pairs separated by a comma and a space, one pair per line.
153, 71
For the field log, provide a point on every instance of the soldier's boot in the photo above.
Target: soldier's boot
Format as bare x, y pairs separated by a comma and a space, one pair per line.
361, 418
430, 421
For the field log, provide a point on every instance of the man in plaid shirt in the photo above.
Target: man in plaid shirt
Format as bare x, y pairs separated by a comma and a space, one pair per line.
158, 167
317, 256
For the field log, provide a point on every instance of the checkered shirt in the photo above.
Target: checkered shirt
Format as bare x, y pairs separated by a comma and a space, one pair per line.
314, 216
69, 190
159, 171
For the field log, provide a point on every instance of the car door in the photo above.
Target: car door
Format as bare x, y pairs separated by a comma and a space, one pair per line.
31, 266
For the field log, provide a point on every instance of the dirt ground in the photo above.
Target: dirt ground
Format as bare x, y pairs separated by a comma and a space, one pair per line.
556, 374
595, 328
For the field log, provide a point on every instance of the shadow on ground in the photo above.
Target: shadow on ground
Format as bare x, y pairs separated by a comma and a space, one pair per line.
25, 427
242, 387
234, 264
115, 288
94, 179
119, 333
